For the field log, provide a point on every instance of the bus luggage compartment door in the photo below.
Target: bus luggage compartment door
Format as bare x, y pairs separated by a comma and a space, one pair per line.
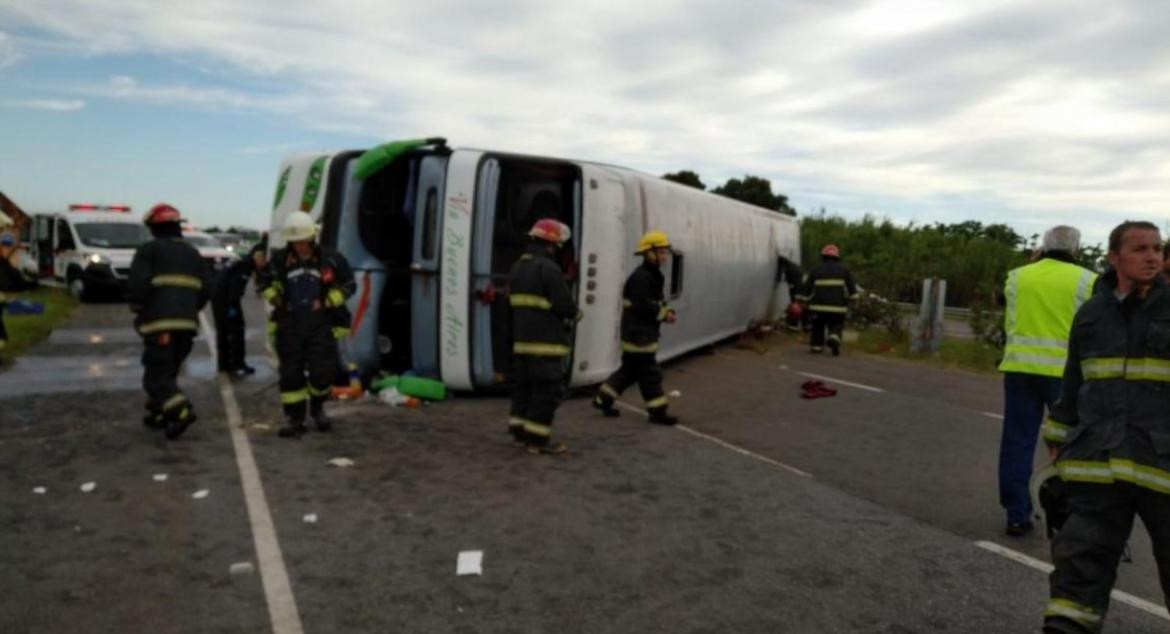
424, 268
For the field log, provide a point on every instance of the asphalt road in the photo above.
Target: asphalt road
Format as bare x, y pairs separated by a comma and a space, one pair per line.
639, 528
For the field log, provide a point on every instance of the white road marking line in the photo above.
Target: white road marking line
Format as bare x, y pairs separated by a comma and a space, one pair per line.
1045, 567
992, 415
850, 384
724, 443
282, 605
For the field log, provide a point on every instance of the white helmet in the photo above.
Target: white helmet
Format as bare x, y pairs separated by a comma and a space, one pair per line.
5, 221
298, 226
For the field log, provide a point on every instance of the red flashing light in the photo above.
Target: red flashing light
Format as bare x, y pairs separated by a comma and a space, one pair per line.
83, 207
120, 208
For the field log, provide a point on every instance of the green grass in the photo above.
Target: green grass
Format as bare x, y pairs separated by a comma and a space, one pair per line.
965, 354
25, 331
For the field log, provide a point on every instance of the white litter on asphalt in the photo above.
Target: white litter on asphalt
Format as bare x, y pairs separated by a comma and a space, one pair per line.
261, 427
200, 494
160, 477
311, 518
88, 486
40, 490
675, 393
242, 568
340, 462
470, 563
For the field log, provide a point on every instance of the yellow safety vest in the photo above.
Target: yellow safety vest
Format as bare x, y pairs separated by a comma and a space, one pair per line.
1042, 299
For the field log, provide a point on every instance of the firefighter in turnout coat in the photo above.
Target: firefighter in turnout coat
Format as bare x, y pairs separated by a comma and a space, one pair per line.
542, 306
307, 287
167, 288
828, 289
644, 310
1110, 431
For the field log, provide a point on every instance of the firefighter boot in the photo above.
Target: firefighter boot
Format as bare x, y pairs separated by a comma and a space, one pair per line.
835, 346
658, 416
154, 419
549, 448
292, 428
606, 406
180, 422
317, 413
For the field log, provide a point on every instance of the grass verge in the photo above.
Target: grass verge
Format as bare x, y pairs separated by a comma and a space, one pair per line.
965, 354
25, 331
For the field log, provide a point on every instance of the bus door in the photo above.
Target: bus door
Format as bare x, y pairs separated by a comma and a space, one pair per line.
512, 193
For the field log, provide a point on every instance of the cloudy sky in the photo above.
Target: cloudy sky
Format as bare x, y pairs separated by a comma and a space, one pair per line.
1027, 112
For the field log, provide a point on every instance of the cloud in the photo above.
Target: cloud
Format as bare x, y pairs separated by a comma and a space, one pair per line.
1026, 108
52, 105
9, 54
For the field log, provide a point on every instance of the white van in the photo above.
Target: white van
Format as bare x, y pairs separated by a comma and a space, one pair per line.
87, 248
214, 254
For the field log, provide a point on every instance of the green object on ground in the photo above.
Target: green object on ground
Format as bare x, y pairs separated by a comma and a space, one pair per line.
417, 386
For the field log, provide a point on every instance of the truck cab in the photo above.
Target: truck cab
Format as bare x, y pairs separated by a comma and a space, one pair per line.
86, 249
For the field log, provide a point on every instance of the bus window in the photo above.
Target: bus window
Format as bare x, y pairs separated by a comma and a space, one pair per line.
676, 275
430, 224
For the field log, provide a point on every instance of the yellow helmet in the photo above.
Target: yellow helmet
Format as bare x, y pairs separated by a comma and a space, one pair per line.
652, 240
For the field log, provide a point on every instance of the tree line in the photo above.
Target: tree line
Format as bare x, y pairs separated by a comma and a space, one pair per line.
891, 260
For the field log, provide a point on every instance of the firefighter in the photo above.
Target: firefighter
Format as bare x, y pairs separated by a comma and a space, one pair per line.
167, 289
828, 289
227, 291
307, 287
1040, 301
1110, 432
643, 311
541, 308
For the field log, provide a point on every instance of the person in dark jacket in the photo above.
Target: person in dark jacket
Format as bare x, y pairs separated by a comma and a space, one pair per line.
167, 288
1110, 432
542, 307
644, 309
828, 289
307, 287
228, 290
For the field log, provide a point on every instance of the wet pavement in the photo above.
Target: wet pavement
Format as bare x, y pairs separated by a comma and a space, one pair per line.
639, 528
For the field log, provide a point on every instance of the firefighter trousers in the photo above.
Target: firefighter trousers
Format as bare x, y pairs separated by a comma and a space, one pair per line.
307, 352
834, 323
162, 357
229, 335
641, 368
1087, 549
537, 390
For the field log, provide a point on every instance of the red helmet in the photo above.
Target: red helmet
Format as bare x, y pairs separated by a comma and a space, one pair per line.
551, 231
831, 251
161, 213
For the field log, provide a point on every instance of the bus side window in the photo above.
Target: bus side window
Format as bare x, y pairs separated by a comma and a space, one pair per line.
676, 275
430, 220
64, 237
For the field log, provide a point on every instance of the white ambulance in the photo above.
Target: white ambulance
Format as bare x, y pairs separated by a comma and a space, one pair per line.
86, 249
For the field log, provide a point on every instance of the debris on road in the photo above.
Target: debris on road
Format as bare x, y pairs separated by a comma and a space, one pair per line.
88, 487
470, 562
340, 462
160, 477
816, 389
391, 396
261, 427
242, 568
675, 394
200, 494
40, 490
311, 518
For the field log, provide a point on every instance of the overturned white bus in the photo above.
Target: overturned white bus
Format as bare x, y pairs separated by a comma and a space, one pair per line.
432, 233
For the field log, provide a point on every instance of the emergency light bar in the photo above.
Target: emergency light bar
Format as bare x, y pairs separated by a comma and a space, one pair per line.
92, 207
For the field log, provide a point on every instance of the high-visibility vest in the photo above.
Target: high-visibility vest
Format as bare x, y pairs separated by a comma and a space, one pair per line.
1042, 299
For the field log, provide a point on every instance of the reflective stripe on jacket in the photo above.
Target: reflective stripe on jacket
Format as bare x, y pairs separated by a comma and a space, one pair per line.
643, 309
829, 288
167, 286
541, 303
1042, 299
1113, 415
